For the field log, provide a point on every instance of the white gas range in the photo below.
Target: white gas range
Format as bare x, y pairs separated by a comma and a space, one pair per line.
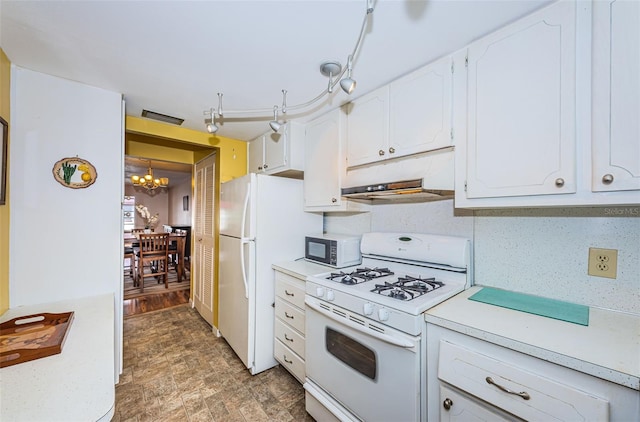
364, 325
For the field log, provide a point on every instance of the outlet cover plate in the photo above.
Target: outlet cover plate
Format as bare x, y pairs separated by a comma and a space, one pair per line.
603, 262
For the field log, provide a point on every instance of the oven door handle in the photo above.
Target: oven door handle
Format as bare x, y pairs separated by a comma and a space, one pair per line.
357, 327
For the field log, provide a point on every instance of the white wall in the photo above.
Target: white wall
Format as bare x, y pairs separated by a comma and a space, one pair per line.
537, 251
156, 203
65, 243
177, 215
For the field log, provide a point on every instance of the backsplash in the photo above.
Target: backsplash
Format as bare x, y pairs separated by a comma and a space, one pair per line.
537, 251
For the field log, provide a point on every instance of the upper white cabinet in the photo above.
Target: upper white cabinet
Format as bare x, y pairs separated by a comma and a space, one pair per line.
325, 164
548, 110
520, 108
616, 96
410, 115
278, 152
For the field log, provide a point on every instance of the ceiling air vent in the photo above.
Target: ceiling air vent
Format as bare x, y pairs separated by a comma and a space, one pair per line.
162, 117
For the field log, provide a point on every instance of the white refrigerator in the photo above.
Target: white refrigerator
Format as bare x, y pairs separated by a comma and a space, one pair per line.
261, 222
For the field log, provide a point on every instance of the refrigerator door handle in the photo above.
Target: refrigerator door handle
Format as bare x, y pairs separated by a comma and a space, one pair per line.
244, 241
245, 209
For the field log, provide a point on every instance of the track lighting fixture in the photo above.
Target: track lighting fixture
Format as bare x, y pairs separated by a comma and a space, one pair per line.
348, 84
275, 125
211, 122
284, 101
332, 69
220, 104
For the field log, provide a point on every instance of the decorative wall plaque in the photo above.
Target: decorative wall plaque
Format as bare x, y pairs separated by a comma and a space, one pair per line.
74, 173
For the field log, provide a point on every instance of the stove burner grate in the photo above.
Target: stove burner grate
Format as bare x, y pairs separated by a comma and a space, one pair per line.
408, 287
359, 275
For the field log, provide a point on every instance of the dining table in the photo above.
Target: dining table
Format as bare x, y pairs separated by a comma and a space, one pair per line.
180, 239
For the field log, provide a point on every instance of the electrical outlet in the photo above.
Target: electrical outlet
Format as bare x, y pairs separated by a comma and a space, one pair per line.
603, 262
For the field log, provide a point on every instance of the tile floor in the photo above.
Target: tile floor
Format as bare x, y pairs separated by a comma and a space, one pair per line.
176, 369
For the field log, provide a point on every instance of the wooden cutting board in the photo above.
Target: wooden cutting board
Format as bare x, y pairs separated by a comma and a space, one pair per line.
30, 337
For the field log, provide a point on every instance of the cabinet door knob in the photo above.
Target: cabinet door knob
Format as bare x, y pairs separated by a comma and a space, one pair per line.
381, 152
286, 337
287, 315
447, 403
260, 168
392, 150
559, 182
288, 294
266, 166
607, 179
334, 200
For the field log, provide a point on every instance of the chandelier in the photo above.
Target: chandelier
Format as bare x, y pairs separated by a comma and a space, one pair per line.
149, 182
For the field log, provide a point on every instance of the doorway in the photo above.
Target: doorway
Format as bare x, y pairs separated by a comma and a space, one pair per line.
172, 205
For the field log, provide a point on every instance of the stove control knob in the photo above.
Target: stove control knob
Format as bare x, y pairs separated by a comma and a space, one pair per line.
330, 295
383, 314
319, 291
368, 308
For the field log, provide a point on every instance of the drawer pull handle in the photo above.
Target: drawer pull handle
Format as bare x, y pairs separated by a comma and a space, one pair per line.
447, 403
287, 360
287, 315
522, 394
286, 337
287, 293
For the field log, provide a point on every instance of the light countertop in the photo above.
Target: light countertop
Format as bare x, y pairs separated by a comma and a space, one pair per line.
608, 348
301, 268
74, 385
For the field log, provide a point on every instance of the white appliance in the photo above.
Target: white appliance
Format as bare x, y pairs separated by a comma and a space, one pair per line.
333, 249
365, 352
261, 222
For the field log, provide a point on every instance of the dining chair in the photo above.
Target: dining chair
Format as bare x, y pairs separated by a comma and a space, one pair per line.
129, 254
153, 253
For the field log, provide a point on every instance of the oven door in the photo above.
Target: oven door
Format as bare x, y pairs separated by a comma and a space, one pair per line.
366, 367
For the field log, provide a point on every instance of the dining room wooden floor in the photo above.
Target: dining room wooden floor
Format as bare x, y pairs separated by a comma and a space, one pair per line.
176, 369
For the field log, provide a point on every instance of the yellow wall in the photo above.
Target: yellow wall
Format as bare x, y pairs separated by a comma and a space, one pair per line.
160, 141
5, 83
233, 153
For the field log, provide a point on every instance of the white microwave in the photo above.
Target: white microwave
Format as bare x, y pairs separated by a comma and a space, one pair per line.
335, 250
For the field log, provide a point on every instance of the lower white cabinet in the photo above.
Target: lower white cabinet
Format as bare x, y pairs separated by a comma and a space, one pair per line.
289, 340
471, 379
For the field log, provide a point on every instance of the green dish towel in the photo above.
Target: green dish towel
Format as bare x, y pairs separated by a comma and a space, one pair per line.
550, 308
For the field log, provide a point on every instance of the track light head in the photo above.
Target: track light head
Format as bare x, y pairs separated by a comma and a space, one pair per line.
211, 121
212, 127
348, 85
274, 124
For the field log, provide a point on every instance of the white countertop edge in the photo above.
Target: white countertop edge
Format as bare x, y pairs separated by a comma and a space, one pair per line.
76, 384
301, 268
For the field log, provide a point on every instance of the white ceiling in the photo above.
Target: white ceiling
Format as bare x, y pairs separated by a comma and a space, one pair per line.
172, 57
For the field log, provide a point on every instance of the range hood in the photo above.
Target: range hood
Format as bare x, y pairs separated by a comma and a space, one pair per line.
423, 177
410, 190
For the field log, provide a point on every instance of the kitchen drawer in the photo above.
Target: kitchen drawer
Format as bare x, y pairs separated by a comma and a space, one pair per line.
292, 362
458, 407
548, 399
290, 289
290, 314
290, 337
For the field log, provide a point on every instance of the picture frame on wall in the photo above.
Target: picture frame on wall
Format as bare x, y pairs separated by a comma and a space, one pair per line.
4, 140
